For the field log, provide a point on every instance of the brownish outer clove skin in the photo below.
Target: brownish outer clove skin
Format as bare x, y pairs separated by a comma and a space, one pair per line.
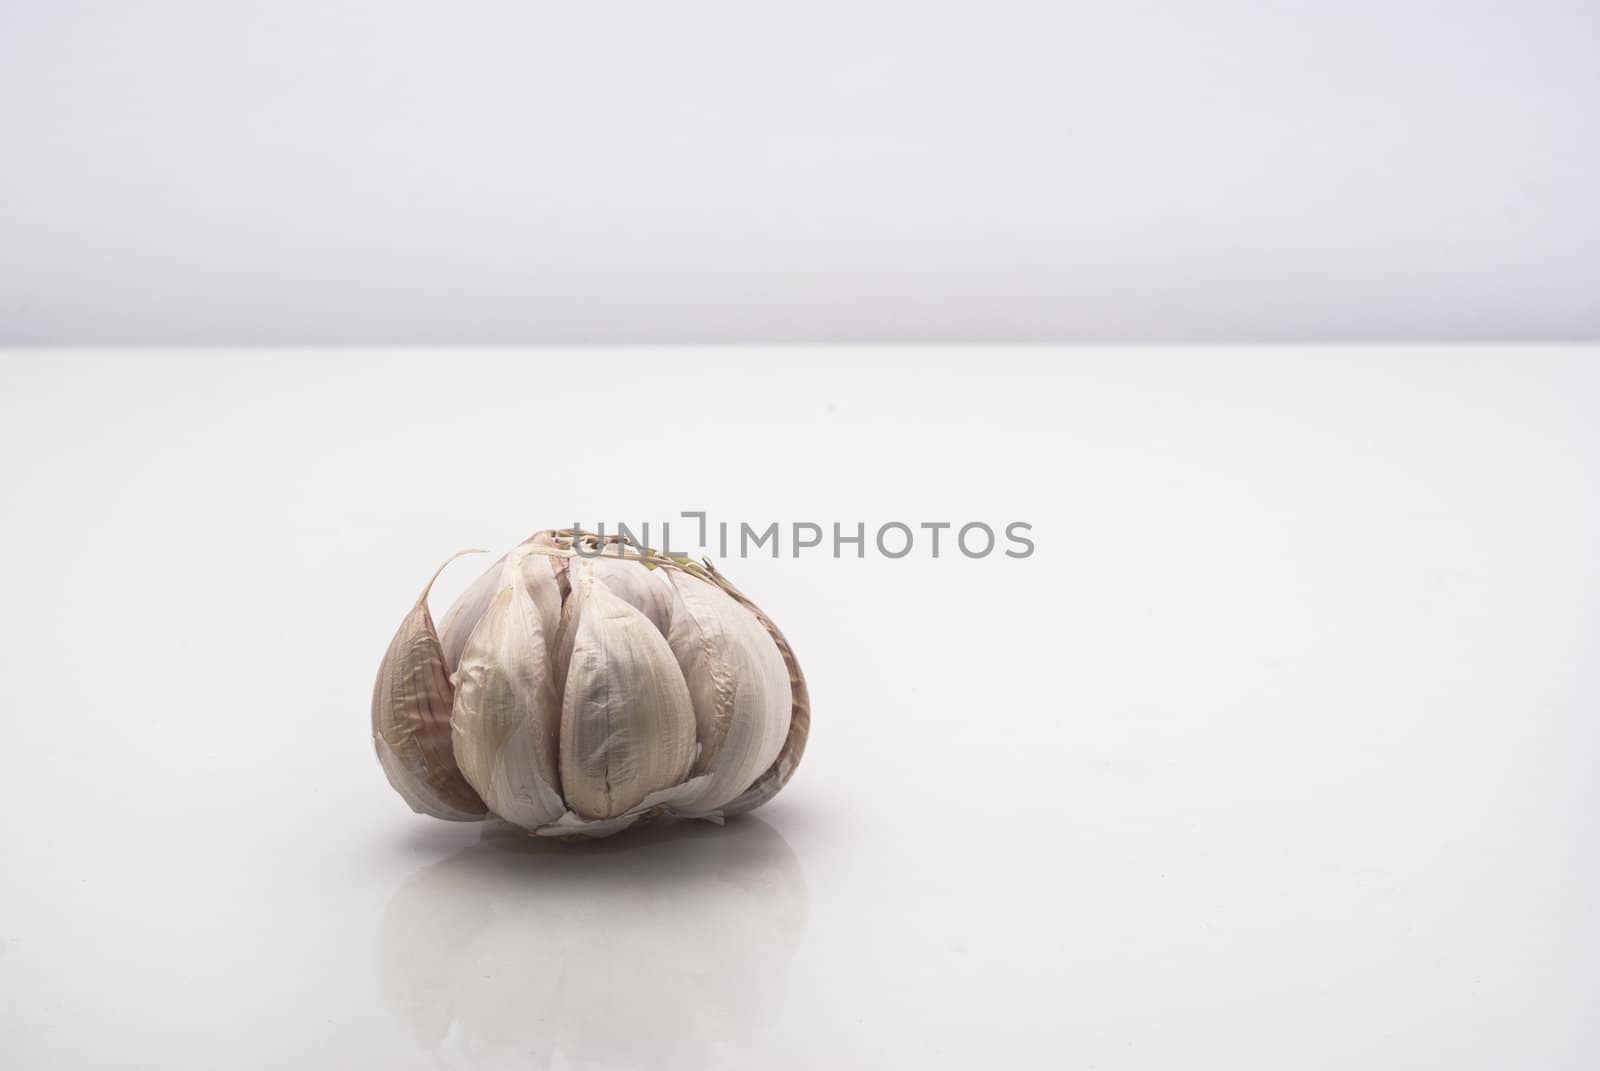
411, 704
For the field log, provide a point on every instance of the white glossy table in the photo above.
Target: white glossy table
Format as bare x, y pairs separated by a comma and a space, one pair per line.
1277, 753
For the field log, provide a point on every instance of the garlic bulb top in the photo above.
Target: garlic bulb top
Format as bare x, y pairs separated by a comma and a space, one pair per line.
574, 694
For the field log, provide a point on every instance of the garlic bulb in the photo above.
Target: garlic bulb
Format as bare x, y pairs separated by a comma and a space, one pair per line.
576, 692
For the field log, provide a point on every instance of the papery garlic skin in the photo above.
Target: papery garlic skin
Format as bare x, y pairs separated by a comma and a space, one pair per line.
638, 587
411, 711
627, 725
739, 686
506, 724
770, 783
465, 613
587, 692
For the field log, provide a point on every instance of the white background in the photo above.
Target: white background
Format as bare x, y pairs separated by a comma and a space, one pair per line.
1278, 753
524, 171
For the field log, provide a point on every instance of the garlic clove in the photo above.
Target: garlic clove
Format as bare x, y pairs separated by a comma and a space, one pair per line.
643, 589
507, 715
411, 704
465, 613
627, 723
566, 639
539, 576
468, 609
770, 783
738, 683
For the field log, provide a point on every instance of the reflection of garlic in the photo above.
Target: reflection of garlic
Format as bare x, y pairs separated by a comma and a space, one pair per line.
671, 952
573, 691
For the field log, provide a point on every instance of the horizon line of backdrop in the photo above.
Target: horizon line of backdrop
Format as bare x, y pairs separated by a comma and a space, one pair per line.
398, 172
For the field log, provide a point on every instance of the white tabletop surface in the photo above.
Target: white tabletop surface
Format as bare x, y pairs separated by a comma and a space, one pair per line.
1277, 753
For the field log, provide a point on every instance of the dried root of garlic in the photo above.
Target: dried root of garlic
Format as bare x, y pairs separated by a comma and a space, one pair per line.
581, 684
